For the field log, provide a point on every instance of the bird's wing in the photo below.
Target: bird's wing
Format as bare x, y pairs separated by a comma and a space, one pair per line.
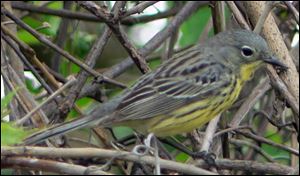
189, 78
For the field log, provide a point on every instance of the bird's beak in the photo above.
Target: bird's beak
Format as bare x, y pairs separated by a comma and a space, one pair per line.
275, 62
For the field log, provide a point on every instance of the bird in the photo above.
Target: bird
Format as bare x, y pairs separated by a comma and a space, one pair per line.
183, 93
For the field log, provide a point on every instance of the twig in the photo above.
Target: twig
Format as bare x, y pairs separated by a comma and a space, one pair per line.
47, 42
255, 147
218, 15
88, 17
266, 141
150, 46
238, 15
230, 129
119, 33
82, 76
267, 10
51, 97
61, 37
30, 54
293, 9
25, 61
49, 166
24, 97
99, 153
139, 8
277, 45
249, 166
209, 133
257, 92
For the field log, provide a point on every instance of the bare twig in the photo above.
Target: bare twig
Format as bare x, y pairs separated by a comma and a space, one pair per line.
257, 92
249, 166
47, 42
61, 37
238, 142
30, 54
238, 15
23, 119
99, 153
267, 141
267, 10
88, 17
119, 33
139, 8
49, 166
293, 9
82, 76
218, 15
150, 46
27, 63
209, 133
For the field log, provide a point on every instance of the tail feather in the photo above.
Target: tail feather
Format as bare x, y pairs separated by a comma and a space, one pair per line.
92, 119
59, 129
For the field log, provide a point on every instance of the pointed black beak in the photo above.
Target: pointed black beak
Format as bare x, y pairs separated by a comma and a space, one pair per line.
275, 62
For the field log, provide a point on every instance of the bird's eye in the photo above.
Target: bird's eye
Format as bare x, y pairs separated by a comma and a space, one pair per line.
247, 51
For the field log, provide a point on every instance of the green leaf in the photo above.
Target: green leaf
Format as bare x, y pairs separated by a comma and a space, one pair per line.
193, 27
121, 132
5, 101
182, 157
11, 134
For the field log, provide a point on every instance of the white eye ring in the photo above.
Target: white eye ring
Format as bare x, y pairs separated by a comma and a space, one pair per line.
247, 51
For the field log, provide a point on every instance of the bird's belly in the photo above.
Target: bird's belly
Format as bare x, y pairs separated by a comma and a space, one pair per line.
169, 125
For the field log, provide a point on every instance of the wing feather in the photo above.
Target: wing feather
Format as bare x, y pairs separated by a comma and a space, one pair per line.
160, 93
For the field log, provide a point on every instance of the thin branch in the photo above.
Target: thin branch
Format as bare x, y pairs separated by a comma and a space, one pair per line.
209, 133
61, 37
267, 141
88, 17
238, 15
50, 44
27, 63
150, 46
49, 166
31, 55
56, 93
293, 9
82, 76
257, 93
218, 15
100, 153
249, 166
261, 21
139, 8
119, 33
243, 143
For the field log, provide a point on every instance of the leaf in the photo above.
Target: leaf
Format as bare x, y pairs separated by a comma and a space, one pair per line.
5, 101
11, 134
193, 27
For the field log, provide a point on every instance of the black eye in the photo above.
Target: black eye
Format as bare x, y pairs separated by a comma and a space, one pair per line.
247, 51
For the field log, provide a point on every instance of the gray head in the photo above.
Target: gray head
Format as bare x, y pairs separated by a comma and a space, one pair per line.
249, 46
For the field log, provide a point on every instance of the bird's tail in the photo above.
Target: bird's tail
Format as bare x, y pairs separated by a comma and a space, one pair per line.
61, 129
96, 117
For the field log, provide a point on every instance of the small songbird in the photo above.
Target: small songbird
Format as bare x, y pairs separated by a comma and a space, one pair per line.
186, 91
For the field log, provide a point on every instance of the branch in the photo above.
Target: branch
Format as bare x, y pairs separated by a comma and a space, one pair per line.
88, 17
50, 44
274, 38
249, 166
119, 33
139, 8
49, 166
266, 141
99, 153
